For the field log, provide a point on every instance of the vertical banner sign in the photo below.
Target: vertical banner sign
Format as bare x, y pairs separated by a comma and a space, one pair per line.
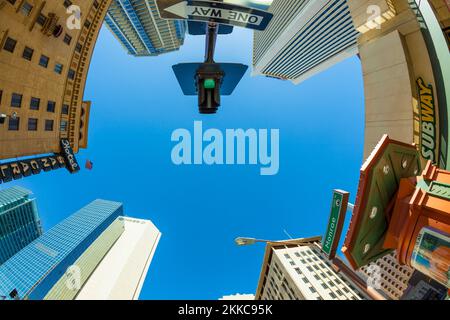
337, 217
67, 152
428, 130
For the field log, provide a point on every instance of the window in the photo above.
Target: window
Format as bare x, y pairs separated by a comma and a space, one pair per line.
63, 125
317, 277
41, 19
339, 292
13, 124
67, 3
12, 1
287, 256
71, 74
310, 269
16, 100
297, 255
298, 270
332, 295
67, 39
10, 44
324, 285
27, 53
312, 289
65, 109
51, 106
95, 4
305, 280
58, 68
32, 124
43, 61
26, 9
87, 24
48, 125
78, 47
34, 103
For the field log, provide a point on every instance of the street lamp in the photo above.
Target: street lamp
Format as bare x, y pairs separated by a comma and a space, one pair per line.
248, 241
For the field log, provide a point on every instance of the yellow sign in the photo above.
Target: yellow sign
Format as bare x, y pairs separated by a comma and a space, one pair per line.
428, 130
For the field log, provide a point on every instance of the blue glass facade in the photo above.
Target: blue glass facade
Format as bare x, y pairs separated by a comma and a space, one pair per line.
19, 221
139, 28
35, 270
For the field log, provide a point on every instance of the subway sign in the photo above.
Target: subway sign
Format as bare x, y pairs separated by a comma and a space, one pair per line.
24, 168
427, 113
337, 217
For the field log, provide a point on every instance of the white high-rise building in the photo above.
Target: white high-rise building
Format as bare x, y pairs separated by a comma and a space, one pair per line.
122, 272
305, 37
299, 270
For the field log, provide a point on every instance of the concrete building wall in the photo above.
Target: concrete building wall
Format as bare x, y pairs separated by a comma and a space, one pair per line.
394, 55
123, 270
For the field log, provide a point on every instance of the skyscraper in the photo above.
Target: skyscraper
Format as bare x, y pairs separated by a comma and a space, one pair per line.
122, 272
77, 245
139, 28
19, 221
301, 271
305, 37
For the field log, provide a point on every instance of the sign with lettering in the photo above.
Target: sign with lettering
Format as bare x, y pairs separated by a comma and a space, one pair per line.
337, 217
428, 130
67, 152
212, 11
24, 168
440, 190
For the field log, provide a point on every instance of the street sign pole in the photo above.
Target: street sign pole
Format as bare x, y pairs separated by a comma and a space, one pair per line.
211, 39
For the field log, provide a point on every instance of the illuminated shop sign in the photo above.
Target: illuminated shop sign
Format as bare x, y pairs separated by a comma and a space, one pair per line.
427, 112
24, 168
67, 153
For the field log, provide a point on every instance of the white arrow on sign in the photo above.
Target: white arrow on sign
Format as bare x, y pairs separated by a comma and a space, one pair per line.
179, 9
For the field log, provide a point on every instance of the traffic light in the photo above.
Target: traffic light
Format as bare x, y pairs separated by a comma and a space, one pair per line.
209, 81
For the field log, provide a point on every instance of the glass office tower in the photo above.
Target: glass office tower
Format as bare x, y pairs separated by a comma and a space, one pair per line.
139, 28
78, 244
19, 221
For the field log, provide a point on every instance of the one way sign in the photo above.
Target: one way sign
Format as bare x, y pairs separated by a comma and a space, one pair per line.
212, 11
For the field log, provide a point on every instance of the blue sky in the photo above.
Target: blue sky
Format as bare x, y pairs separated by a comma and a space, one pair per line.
137, 104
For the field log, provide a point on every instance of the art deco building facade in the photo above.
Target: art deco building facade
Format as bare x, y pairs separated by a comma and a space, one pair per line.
19, 221
301, 271
305, 37
139, 28
45, 52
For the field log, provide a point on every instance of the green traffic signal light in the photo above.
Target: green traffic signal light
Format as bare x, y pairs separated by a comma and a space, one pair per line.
209, 83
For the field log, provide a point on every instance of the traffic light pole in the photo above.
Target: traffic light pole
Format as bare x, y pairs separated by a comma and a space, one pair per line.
211, 40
